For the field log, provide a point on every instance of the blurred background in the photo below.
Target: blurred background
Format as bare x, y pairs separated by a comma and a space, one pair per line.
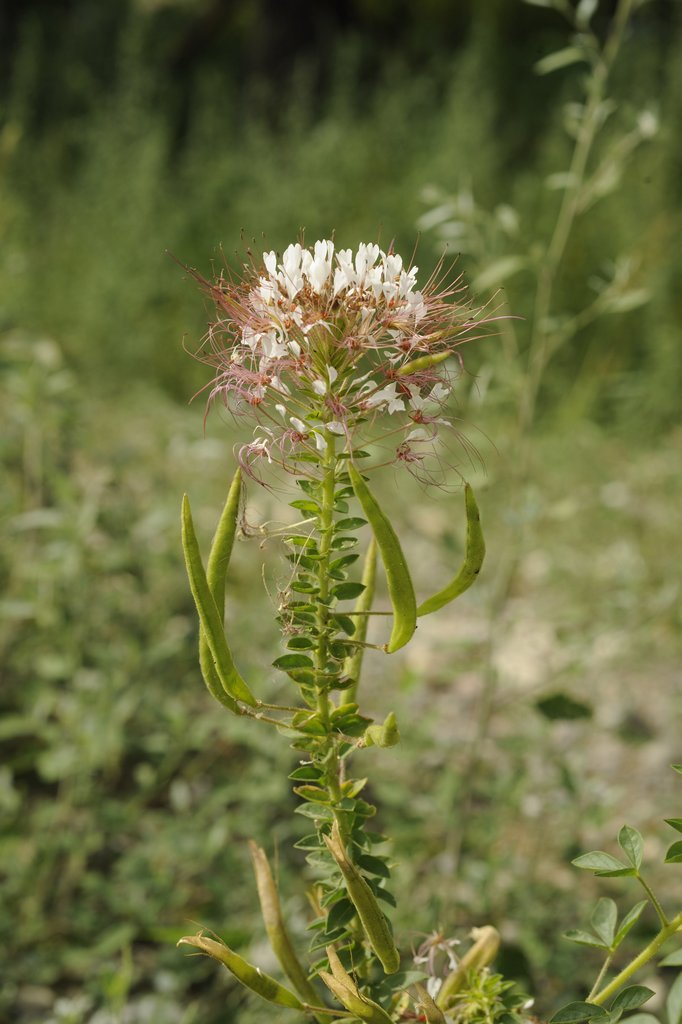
541, 713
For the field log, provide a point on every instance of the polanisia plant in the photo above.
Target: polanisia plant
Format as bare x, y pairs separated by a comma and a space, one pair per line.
342, 362
337, 356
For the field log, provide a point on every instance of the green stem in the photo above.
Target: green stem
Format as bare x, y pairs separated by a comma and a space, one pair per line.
600, 977
326, 533
540, 349
656, 905
639, 961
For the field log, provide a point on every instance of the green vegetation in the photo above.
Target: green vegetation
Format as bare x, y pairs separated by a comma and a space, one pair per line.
126, 799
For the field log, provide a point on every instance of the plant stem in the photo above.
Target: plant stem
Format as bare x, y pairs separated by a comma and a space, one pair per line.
639, 961
656, 905
600, 977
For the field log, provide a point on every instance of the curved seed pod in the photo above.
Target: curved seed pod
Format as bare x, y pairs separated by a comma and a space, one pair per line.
385, 735
400, 589
216, 571
275, 927
363, 899
223, 542
250, 976
483, 952
470, 567
348, 995
353, 664
432, 1012
209, 615
423, 363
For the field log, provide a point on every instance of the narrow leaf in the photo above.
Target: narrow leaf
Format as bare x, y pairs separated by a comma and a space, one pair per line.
497, 272
628, 922
631, 998
209, 615
597, 860
559, 706
675, 823
400, 589
470, 567
632, 845
560, 59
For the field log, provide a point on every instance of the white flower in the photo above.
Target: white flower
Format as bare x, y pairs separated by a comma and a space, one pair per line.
388, 397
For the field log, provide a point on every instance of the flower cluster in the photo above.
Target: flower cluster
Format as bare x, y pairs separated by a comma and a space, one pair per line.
319, 342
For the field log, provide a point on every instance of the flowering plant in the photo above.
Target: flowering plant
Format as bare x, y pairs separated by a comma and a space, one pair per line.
335, 355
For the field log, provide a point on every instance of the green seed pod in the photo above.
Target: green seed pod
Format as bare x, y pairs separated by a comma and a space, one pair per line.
423, 363
470, 567
346, 991
483, 952
432, 1013
250, 976
209, 615
223, 542
385, 735
275, 927
373, 921
353, 664
400, 589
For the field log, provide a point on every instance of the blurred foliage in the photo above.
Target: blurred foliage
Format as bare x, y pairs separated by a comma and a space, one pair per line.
126, 799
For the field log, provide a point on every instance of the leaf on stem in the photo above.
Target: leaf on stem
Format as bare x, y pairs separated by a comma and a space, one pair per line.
470, 567
631, 998
674, 1002
602, 864
632, 845
573, 1013
674, 854
629, 921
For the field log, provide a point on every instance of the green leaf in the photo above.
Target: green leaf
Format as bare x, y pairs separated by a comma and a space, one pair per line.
631, 998
573, 1013
345, 591
470, 567
604, 920
674, 1002
300, 643
628, 921
674, 854
373, 865
675, 823
340, 914
400, 589
352, 523
306, 773
209, 615
672, 959
677, 768
559, 706
584, 939
643, 1018
632, 845
287, 661
559, 59
597, 860
498, 271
